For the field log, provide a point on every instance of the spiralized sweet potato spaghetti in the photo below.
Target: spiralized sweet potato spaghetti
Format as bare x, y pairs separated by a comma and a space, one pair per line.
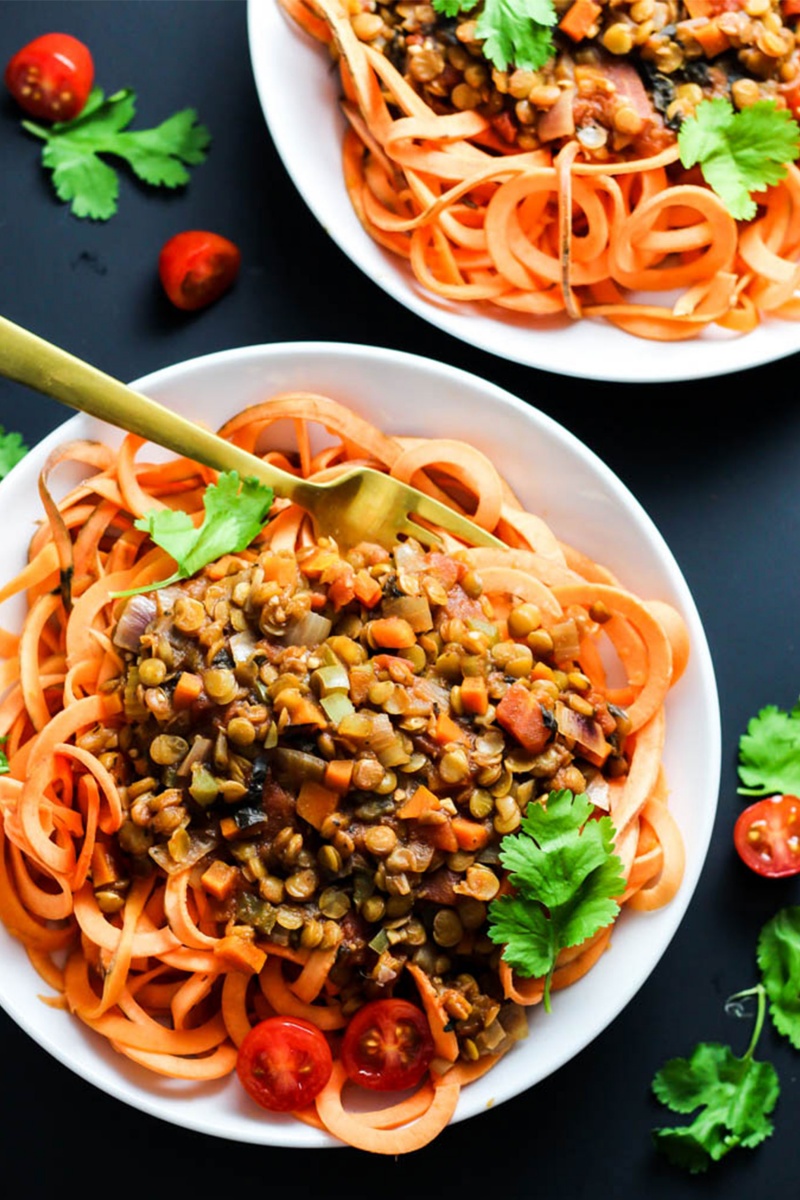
561, 192
282, 786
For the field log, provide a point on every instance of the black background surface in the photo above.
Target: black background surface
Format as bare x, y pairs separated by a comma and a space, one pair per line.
714, 462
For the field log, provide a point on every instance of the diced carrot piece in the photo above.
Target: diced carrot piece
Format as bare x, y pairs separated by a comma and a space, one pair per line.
315, 802
520, 714
187, 689
711, 38
474, 695
470, 835
240, 953
393, 633
302, 709
229, 828
339, 774
442, 836
447, 730
367, 589
579, 19
219, 879
279, 569
341, 589
422, 801
318, 562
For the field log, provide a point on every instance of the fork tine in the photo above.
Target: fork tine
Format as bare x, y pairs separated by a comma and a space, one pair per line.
426, 537
439, 514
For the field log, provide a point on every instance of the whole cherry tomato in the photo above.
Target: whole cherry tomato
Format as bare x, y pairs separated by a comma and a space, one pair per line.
196, 267
387, 1046
283, 1063
51, 77
767, 836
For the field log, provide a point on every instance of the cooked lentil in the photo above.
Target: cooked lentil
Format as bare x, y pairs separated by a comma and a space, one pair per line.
221, 779
640, 70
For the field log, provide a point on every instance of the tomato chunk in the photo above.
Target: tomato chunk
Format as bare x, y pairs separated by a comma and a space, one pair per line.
767, 836
520, 714
51, 77
387, 1045
196, 267
283, 1063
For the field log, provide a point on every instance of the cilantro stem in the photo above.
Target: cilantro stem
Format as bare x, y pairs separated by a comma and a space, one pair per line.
760, 992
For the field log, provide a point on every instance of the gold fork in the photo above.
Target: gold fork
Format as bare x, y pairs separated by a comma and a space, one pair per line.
361, 504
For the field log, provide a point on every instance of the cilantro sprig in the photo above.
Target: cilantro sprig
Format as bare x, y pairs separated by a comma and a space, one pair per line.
566, 879
739, 152
235, 513
732, 1098
779, 961
158, 156
514, 32
12, 450
769, 753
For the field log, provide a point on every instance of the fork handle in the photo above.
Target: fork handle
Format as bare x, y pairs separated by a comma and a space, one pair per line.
46, 368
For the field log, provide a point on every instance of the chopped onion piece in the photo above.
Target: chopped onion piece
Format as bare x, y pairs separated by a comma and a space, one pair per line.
201, 844
242, 646
136, 616
309, 630
414, 609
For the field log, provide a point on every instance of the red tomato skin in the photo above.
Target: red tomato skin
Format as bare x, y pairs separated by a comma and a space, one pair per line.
51, 77
767, 836
196, 267
387, 1046
284, 1063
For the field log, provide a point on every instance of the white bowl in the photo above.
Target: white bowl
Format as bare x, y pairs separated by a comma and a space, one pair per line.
555, 475
299, 93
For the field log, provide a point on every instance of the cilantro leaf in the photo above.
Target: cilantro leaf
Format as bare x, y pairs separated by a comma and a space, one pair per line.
514, 32
451, 8
739, 152
4, 768
12, 451
779, 960
235, 513
566, 878
769, 753
158, 156
734, 1096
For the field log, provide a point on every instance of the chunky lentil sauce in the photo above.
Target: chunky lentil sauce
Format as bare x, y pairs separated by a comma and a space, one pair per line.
283, 714
622, 89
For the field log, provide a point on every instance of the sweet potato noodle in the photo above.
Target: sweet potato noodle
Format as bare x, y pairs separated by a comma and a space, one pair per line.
280, 786
545, 232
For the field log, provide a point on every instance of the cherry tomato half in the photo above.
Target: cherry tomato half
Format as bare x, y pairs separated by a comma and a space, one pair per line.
196, 267
51, 77
387, 1046
767, 836
283, 1063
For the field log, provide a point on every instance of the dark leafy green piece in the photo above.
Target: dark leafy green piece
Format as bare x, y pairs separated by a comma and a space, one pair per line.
235, 513
158, 156
566, 880
731, 1097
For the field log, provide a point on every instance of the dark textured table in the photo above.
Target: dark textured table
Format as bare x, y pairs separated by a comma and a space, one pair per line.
715, 463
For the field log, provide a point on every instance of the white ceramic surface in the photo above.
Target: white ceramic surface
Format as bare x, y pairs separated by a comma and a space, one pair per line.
596, 513
299, 94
